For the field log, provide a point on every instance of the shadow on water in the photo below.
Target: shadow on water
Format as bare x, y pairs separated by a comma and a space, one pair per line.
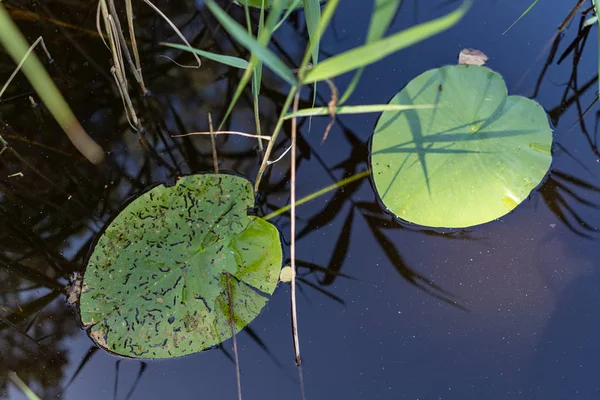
52, 203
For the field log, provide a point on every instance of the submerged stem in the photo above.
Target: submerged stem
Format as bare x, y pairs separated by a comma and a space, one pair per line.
293, 232
233, 336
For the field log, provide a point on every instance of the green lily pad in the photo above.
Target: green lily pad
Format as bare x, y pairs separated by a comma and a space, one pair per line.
470, 160
156, 282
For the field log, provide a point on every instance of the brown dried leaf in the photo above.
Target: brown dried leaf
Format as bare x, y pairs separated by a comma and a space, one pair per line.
472, 57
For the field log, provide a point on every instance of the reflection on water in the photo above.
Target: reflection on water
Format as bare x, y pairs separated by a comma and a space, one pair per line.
505, 310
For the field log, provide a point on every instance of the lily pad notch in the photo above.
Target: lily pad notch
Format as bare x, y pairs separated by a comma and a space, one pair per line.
155, 285
470, 160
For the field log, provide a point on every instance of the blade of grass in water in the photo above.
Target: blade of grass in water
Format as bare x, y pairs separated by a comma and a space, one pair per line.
522, 15
312, 12
257, 73
16, 45
235, 62
249, 42
325, 18
370, 108
22, 386
323, 24
372, 52
383, 15
287, 14
318, 193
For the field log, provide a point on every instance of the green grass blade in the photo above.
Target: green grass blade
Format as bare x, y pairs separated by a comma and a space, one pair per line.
372, 52
235, 62
522, 15
257, 75
370, 108
22, 386
264, 36
312, 11
287, 14
323, 23
260, 50
16, 45
318, 193
382, 17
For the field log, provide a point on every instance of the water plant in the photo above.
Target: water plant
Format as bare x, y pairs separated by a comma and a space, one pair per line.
180, 269
470, 160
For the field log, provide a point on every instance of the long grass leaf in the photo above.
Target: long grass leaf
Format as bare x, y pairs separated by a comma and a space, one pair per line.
235, 62
16, 45
249, 42
264, 36
522, 15
257, 75
318, 193
371, 108
22, 386
287, 14
383, 15
323, 24
372, 52
312, 12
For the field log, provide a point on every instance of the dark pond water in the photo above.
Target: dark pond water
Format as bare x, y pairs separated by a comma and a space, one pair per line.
507, 310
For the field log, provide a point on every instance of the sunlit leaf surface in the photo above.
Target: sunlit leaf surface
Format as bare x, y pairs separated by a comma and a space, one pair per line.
468, 161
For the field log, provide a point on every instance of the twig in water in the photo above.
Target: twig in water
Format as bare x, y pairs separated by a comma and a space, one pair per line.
16, 71
136, 55
214, 146
331, 106
175, 29
224, 133
293, 232
233, 336
280, 157
571, 14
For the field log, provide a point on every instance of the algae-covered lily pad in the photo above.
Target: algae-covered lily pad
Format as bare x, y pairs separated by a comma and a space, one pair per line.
156, 282
470, 160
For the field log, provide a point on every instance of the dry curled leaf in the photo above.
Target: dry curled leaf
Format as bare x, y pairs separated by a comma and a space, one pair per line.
472, 57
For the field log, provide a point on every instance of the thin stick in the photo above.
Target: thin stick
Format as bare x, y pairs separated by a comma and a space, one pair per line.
31, 48
225, 133
136, 55
571, 14
293, 232
265, 161
120, 39
235, 349
280, 157
214, 146
175, 29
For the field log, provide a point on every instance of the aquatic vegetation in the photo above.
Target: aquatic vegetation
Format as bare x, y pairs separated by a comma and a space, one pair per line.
177, 267
468, 161
15, 44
